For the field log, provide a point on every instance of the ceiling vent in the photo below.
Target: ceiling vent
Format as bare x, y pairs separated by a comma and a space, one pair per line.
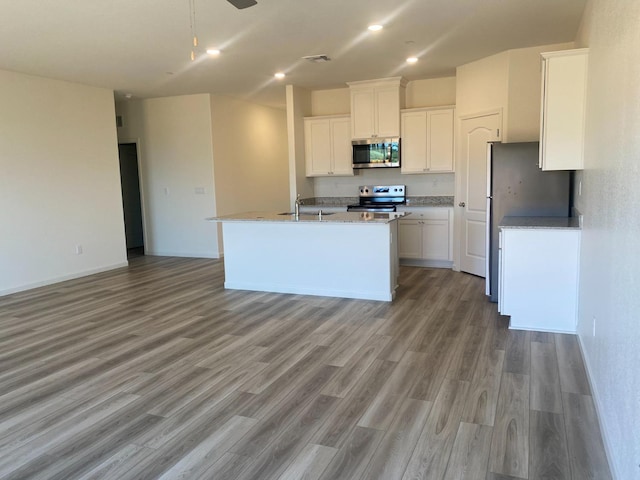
317, 58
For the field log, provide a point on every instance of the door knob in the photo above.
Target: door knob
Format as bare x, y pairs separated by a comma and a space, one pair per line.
462, 204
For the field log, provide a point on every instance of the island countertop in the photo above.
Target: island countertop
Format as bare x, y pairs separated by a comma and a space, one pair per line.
328, 217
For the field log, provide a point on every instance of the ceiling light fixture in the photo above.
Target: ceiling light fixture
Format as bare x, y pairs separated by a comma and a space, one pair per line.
412, 59
213, 51
375, 28
279, 75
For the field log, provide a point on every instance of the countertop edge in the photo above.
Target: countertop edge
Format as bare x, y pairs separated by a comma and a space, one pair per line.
540, 223
340, 218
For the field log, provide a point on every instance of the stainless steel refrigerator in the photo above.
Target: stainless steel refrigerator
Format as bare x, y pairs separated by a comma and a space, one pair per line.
516, 186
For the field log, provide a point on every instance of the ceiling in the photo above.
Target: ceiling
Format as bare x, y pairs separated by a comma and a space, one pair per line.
142, 47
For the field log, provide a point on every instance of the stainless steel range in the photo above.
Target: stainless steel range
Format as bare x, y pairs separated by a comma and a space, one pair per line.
380, 198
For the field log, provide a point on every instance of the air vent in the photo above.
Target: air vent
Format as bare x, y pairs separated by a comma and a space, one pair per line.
317, 58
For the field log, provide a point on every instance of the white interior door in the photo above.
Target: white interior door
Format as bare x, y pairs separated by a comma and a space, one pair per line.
475, 132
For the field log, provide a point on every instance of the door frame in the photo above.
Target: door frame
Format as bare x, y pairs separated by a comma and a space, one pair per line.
136, 141
459, 191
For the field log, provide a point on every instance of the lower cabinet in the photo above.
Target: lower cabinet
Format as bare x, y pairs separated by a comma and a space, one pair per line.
538, 278
425, 237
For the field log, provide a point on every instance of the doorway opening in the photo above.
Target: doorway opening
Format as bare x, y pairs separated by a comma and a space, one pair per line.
131, 199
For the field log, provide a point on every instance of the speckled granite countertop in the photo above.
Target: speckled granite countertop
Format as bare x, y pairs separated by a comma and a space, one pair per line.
329, 201
431, 201
572, 223
339, 217
412, 201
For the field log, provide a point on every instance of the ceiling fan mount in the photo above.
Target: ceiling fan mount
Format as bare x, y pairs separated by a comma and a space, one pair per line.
240, 4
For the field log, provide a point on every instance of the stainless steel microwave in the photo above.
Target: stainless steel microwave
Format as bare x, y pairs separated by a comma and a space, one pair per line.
376, 152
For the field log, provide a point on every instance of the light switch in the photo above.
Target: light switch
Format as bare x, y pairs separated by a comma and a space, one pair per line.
199, 190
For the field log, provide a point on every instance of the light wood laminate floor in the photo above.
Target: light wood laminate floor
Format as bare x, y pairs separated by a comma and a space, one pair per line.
155, 371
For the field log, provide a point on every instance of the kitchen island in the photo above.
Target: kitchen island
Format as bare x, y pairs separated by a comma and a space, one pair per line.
346, 254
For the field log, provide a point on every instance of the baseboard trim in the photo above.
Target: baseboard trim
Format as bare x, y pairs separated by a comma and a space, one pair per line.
294, 289
598, 406
538, 329
63, 278
161, 253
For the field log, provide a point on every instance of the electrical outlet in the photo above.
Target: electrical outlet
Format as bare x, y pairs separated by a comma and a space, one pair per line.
166, 190
594, 326
78, 249
580, 188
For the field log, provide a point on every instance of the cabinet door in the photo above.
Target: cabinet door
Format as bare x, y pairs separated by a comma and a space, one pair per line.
539, 278
435, 240
341, 146
413, 150
440, 140
317, 143
387, 111
362, 113
563, 108
409, 239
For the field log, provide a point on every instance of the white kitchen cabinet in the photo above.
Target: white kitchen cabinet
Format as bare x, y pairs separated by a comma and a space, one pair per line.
427, 140
425, 237
375, 107
538, 278
564, 87
327, 142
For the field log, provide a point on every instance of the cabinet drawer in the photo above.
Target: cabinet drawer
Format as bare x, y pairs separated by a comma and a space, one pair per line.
433, 213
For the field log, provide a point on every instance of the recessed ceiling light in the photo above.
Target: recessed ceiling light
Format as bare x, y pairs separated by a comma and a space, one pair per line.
412, 59
279, 75
213, 51
375, 28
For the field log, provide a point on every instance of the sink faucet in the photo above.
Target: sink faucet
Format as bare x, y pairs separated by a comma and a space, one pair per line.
297, 205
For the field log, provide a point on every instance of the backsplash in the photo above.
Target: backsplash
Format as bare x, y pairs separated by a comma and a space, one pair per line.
433, 184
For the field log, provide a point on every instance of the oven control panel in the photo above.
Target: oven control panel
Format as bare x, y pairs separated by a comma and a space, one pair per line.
382, 191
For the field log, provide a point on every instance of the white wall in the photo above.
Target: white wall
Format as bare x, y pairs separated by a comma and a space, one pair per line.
431, 92
59, 182
510, 81
524, 91
610, 264
176, 159
298, 107
336, 101
250, 156
482, 85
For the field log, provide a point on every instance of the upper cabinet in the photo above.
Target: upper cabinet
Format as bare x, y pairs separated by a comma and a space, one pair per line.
564, 85
375, 107
427, 140
327, 143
